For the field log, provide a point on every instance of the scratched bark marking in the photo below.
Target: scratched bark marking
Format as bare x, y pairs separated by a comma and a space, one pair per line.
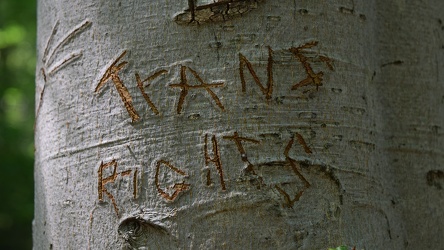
50, 39
238, 141
203, 85
215, 160
328, 61
66, 60
295, 166
243, 62
177, 187
301, 141
142, 88
135, 183
312, 77
219, 11
110, 179
112, 73
244, 157
50, 68
76, 30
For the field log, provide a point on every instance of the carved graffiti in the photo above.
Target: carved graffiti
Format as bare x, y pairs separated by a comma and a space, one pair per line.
312, 77
304, 145
215, 160
142, 88
186, 87
296, 169
112, 73
170, 182
169, 179
243, 62
238, 141
177, 187
135, 183
48, 54
49, 68
110, 179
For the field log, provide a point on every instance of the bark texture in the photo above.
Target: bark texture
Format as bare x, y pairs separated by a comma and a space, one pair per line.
242, 124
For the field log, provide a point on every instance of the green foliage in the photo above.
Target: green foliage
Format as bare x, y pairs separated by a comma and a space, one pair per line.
339, 248
17, 66
11, 35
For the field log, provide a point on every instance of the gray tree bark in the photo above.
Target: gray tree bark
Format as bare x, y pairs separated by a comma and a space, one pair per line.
239, 124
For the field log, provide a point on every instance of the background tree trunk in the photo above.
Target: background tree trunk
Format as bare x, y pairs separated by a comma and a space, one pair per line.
239, 124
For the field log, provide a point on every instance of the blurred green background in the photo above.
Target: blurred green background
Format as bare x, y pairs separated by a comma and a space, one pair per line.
17, 67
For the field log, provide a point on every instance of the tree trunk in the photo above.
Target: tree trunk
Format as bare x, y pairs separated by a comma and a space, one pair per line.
239, 124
